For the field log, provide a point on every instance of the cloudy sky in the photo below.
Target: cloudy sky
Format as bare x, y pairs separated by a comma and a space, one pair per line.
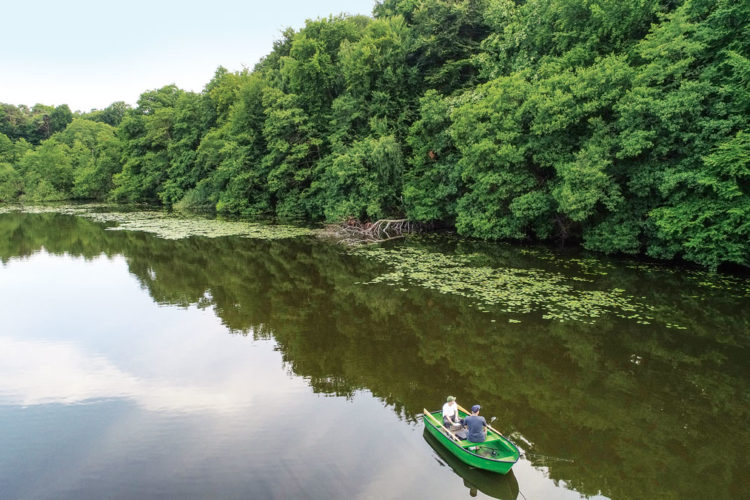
88, 54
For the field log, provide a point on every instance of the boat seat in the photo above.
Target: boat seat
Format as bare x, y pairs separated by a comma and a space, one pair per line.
466, 442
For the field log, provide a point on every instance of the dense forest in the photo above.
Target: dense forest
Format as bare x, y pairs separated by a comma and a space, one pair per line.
622, 125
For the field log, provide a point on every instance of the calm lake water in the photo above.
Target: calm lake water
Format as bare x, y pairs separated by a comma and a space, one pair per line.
133, 366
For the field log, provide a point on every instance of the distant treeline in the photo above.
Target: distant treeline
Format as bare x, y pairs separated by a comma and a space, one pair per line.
622, 124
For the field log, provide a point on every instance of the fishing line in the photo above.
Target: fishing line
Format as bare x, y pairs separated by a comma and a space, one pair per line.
547, 457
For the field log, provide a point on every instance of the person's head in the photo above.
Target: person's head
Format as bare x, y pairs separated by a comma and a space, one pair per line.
451, 400
475, 409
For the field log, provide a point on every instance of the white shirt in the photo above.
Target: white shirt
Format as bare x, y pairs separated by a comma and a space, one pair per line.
450, 411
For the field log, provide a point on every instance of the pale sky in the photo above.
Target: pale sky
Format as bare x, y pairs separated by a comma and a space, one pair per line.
88, 54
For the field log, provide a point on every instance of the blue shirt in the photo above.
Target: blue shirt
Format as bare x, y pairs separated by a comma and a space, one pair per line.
476, 425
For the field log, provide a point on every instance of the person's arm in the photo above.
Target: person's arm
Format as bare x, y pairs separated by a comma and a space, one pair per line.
454, 415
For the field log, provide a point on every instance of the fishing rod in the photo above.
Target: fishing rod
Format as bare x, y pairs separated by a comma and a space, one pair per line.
525, 455
528, 456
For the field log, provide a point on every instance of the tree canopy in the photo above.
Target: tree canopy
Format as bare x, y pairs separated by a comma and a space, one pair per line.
621, 125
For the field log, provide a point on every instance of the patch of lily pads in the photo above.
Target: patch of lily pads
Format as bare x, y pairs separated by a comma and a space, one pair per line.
45, 209
169, 225
591, 266
173, 227
507, 289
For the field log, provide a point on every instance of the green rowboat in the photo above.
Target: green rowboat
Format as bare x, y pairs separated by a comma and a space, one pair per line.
496, 453
503, 487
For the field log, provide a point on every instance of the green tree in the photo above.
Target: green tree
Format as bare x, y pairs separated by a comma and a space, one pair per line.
293, 146
364, 179
444, 38
7, 153
186, 132
241, 176
59, 118
432, 184
145, 134
504, 197
47, 172
619, 125
111, 115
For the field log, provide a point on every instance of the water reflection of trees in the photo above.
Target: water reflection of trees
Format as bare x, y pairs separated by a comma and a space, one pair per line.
642, 411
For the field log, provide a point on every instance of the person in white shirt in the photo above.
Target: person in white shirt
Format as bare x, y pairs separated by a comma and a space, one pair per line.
450, 412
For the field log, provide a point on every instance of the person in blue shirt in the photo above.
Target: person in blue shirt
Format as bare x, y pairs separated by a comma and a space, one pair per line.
476, 425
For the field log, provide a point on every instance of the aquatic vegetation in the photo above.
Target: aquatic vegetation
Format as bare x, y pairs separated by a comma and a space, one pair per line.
168, 225
594, 267
174, 227
562, 388
54, 208
6, 208
585, 265
507, 289
568, 289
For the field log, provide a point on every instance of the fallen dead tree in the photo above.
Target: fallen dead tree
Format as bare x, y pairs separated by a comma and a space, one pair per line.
354, 232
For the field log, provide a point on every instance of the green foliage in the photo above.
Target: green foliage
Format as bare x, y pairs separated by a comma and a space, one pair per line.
311, 67
445, 36
620, 125
33, 124
78, 162
237, 150
183, 172
292, 147
47, 172
714, 205
96, 181
489, 129
433, 184
361, 180
111, 115
6, 149
11, 183
146, 133
220, 93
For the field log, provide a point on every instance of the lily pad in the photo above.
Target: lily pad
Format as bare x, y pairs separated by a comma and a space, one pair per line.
168, 225
506, 289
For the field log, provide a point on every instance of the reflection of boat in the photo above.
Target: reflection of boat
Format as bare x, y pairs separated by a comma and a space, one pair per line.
502, 487
496, 453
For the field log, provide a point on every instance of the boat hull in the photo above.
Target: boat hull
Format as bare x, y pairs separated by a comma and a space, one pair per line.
501, 486
467, 456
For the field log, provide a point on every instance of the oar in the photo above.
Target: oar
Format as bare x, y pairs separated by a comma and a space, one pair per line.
488, 425
441, 425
